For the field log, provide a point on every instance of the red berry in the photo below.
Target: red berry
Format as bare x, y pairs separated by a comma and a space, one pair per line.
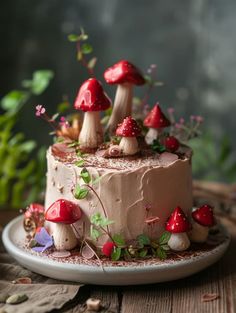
108, 248
171, 143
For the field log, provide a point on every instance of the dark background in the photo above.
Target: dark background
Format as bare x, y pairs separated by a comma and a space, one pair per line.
191, 41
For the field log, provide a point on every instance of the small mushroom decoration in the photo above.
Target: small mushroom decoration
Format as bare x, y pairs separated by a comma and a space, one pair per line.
91, 99
125, 75
178, 226
155, 121
203, 219
63, 213
128, 130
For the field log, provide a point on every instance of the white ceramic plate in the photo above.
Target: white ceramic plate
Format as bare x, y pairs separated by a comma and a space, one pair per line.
109, 275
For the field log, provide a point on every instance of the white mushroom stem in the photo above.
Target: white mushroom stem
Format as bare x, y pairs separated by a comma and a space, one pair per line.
64, 237
122, 106
198, 232
91, 135
129, 145
152, 135
179, 242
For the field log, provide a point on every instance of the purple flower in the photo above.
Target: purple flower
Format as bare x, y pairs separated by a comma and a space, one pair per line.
64, 122
40, 110
43, 239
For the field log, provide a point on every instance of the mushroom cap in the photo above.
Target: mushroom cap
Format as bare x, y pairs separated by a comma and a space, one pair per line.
204, 216
63, 211
128, 128
177, 222
91, 97
156, 118
124, 72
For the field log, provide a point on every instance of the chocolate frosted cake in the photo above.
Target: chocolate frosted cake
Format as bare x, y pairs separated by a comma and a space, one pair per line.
121, 189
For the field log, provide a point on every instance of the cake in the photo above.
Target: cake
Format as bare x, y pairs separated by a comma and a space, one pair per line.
123, 189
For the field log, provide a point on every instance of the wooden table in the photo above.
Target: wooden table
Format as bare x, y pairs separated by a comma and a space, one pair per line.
172, 297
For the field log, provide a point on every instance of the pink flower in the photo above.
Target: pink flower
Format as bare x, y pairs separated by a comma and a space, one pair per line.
199, 119
181, 120
178, 126
171, 110
40, 110
192, 117
64, 122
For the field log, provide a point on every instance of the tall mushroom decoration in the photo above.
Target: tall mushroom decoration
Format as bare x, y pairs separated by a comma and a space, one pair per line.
155, 121
91, 99
178, 226
63, 213
128, 130
203, 219
125, 75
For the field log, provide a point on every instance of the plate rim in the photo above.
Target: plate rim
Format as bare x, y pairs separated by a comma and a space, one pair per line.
15, 250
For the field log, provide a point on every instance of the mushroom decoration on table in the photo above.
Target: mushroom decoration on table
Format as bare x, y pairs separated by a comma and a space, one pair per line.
178, 226
203, 219
128, 130
91, 99
155, 121
63, 213
125, 75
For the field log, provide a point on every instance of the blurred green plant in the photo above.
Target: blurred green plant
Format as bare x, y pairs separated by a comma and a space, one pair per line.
22, 176
213, 160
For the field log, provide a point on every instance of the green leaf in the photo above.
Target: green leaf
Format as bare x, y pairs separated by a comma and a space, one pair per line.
98, 220
86, 48
165, 247
79, 163
116, 254
94, 233
156, 146
118, 239
143, 253
80, 193
84, 174
92, 62
63, 107
163, 240
73, 37
161, 253
143, 240
13, 100
73, 144
40, 81
28, 146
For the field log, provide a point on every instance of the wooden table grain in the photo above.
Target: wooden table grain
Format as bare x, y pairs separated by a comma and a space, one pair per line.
173, 297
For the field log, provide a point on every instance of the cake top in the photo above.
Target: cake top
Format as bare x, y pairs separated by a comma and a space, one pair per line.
146, 157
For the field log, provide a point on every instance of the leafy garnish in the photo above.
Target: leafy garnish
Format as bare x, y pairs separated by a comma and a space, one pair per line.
118, 240
143, 240
80, 193
163, 240
116, 254
157, 146
84, 174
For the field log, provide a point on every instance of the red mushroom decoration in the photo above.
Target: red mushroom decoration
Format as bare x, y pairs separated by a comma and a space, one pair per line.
63, 213
91, 99
128, 130
125, 75
178, 226
171, 143
203, 219
155, 121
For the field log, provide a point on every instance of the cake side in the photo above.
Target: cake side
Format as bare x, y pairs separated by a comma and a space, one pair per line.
126, 193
